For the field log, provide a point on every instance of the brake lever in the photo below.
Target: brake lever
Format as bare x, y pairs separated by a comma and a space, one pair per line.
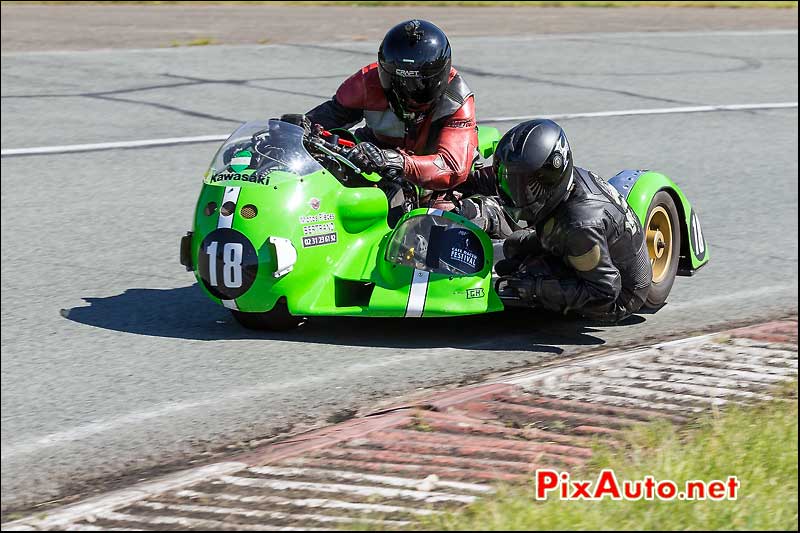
320, 145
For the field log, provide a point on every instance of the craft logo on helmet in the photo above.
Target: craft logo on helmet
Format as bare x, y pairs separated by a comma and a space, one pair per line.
407, 73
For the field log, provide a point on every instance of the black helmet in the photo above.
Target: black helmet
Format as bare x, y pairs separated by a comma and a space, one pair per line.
533, 163
414, 66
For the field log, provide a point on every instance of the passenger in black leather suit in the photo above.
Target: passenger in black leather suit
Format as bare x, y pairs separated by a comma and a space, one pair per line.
583, 250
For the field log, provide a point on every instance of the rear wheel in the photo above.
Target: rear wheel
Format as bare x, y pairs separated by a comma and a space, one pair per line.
663, 240
277, 319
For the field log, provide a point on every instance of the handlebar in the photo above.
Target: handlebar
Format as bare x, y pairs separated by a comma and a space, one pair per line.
340, 149
340, 153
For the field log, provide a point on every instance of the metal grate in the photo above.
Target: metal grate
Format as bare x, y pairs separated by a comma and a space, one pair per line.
249, 211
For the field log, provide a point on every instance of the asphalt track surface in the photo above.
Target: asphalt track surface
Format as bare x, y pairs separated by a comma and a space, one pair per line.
113, 361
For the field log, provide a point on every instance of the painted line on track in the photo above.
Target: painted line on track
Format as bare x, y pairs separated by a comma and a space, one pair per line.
151, 143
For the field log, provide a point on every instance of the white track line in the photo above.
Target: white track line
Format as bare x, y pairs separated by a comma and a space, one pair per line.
149, 143
650, 111
41, 150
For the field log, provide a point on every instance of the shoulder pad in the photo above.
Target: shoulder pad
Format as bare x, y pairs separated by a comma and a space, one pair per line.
362, 90
453, 98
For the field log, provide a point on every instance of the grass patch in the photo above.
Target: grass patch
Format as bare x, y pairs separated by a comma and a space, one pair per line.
757, 444
461, 3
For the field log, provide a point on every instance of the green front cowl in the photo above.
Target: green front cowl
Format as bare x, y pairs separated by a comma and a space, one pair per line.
247, 232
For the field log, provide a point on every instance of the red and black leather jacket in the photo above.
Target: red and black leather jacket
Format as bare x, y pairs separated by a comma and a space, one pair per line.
439, 147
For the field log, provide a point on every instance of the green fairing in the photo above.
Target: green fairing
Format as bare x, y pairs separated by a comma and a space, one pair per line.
370, 269
329, 279
639, 198
487, 140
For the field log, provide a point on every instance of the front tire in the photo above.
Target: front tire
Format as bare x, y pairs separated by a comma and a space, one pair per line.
277, 319
663, 241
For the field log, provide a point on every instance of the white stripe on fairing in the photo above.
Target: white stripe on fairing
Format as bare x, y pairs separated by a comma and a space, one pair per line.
231, 195
417, 294
148, 143
435, 212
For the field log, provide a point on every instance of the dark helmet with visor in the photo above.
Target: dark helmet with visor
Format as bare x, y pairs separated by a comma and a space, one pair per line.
533, 164
414, 66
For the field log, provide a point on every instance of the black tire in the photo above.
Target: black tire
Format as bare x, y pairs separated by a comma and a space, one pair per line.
277, 319
658, 293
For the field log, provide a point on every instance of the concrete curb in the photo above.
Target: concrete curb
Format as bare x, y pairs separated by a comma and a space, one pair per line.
449, 447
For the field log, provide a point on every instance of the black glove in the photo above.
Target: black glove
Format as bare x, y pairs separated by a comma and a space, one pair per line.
370, 158
298, 120
520, 291
521, 244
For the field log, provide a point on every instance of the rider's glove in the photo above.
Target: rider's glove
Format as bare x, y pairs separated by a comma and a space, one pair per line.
518, 290
370, 158
298, 120
521, 279
521, 244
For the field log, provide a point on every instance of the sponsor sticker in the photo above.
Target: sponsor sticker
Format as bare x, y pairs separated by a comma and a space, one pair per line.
241, 160
314, 203
322, 217
261, 179
313, 229
319, 240
475, 293
464, 256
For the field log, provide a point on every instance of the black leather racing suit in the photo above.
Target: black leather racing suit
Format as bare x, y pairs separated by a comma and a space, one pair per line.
589, 255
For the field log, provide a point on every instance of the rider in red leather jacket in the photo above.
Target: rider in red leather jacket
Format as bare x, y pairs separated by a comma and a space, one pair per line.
419, 112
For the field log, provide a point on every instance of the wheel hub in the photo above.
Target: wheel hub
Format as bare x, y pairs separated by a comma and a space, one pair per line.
659, 242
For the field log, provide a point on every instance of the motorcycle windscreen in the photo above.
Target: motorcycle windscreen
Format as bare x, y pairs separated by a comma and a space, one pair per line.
259, 148
437, 245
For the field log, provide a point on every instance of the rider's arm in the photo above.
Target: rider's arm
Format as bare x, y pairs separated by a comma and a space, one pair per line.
332, 114
596, 284
346, 108
450, 164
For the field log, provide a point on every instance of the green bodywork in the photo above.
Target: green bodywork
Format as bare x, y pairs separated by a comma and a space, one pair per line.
350, 272
639, 192
351, 276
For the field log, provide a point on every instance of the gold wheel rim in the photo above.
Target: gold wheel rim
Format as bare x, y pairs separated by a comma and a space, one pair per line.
659, 243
